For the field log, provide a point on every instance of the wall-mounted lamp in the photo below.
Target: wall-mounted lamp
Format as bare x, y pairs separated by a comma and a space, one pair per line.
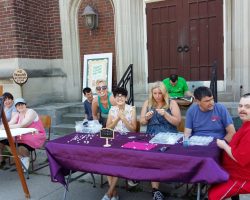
91, 17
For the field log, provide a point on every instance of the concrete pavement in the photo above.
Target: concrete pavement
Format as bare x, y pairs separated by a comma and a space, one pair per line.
41, 187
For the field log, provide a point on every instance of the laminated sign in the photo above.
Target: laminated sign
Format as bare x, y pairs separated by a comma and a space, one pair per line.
20, 76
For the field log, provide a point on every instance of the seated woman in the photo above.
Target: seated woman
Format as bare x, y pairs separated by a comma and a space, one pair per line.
9, 107
160, 114
27, 118
102, 103
121, 118
9, 110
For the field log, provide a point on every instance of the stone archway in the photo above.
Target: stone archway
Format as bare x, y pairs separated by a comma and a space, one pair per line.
71, 47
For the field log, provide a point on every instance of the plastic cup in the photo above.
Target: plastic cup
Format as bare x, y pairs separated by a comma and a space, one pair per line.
185, 141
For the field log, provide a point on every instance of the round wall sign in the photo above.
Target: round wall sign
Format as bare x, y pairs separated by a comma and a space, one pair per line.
20, 76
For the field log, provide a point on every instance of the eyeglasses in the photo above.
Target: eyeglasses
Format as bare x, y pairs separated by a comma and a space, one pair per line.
101, 88
120, 96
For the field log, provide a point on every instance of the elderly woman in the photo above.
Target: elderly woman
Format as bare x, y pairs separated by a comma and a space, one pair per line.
160, 114
102, 103
121, 118
27, 118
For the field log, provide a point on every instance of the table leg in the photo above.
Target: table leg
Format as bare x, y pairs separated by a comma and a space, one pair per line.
67, 185
198, 191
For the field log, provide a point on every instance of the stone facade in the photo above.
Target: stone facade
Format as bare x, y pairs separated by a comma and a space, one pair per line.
30, 29
48, 39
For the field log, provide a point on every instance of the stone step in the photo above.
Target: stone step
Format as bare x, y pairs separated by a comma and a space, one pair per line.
78, 108
63, 129
71, 118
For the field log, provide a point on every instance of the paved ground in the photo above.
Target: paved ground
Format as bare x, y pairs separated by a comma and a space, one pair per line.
41, 187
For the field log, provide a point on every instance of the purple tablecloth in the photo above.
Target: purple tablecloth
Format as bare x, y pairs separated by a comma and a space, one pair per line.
80, 152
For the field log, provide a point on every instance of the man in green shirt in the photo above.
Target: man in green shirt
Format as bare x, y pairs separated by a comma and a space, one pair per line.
177, 87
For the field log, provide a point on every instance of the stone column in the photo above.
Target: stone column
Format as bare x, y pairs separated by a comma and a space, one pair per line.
240, 47
130, 40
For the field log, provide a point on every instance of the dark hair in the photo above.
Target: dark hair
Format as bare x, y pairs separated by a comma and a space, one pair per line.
201, 92
8, 95
173, 77
120, 90
246, 95
86, 90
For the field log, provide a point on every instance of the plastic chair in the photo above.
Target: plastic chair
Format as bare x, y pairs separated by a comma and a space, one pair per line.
181, 126
138, 126
46, 121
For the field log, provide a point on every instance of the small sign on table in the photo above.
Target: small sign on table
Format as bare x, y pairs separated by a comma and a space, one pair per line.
107, 133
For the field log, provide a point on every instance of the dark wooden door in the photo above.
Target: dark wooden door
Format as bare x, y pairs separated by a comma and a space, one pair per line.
184, 37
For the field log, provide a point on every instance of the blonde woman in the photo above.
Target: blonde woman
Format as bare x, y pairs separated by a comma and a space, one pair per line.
102, 103
160, 114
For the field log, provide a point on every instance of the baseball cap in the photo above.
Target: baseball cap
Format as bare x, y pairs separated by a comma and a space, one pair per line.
19, 100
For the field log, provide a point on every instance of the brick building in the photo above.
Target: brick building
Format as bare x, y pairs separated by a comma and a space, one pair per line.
49, 39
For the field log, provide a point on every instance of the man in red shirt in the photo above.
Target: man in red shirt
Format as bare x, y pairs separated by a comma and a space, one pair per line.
236, 158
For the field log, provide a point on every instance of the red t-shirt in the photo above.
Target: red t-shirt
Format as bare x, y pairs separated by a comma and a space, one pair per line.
240, 146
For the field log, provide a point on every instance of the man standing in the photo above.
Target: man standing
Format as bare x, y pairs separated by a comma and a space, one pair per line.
236, 159
87, 104
207, 118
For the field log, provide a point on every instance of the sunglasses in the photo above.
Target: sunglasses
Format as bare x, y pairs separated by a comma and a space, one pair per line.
101, 88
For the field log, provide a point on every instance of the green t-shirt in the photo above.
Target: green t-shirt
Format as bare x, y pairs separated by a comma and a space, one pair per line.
178, 90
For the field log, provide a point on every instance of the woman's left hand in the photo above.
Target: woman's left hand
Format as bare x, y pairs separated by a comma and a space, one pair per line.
161, 111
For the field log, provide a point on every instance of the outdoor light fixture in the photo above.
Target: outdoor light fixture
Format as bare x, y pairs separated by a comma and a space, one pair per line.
91, 17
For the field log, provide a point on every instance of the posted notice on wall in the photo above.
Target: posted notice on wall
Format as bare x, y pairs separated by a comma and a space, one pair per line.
96, 67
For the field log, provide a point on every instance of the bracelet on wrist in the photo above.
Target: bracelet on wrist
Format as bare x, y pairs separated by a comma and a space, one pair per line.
225, 140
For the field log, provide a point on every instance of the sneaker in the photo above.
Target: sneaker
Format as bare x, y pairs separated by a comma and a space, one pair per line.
133, 183
157, 195
115, 198
105, 197
25, 163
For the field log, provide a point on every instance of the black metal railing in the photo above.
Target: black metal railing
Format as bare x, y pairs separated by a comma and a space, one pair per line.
128, 78
213, 83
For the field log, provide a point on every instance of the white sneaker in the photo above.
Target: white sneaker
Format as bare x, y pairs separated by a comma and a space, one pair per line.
115, 198
26, 163
105, 197
132, 183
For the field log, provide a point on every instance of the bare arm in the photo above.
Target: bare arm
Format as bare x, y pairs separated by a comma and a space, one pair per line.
111, 124
175, 118
223, 145
145, 116
230, 132
188, 93
30, 116
95, 108
187, 132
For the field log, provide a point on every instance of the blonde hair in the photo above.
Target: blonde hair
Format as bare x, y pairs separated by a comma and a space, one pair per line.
100, 81
151, 101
